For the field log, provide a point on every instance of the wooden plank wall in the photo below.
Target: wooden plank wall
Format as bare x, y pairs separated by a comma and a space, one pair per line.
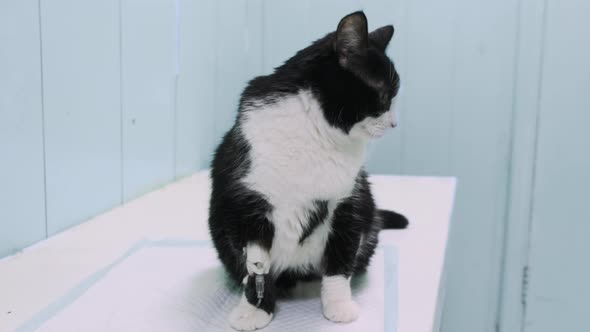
557, 294
123, 96
102, 101
22, 168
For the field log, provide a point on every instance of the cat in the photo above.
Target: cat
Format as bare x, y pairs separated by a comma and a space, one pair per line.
290, 198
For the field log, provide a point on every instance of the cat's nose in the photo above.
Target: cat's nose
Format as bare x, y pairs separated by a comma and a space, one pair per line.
391, 118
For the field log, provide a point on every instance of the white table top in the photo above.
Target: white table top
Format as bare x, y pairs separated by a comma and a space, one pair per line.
34, 278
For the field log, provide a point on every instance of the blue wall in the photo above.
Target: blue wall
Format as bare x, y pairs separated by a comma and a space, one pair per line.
101, 101
549, 220
22, 188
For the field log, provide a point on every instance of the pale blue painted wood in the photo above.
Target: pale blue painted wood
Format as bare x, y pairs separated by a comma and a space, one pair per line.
148, 35
456, 115
22, 193
238, 45
524, 134
286, 30
481, 112
231, 72
557, 297
195, 92
254, 38
80, 42
428, 85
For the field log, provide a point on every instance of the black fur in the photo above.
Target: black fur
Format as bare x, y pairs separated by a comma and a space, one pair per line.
270, 293
345, 97
316, 217
237, 215
392, 220
351, 76
353, 218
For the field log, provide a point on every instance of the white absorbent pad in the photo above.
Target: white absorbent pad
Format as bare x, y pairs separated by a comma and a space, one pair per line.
178, 286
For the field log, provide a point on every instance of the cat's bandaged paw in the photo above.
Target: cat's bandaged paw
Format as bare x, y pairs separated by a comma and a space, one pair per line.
257, 260
246, 317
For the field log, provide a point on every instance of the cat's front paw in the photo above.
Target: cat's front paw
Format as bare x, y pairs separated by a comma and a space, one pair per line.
341, 311
246, 317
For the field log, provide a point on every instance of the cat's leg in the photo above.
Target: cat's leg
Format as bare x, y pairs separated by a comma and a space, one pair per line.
339, 263
337, 303
254, 311
367, 248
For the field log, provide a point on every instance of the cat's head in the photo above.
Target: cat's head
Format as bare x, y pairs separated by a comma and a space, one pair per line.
360, 82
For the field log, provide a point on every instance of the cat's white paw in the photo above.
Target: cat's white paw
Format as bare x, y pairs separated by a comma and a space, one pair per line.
341, 311
246, 317
337, 303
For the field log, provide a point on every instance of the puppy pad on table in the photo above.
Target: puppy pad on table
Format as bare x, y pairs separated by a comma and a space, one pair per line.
179, 285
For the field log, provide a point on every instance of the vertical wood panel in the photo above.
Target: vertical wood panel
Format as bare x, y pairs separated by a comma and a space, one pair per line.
195, 90
148, 63
522, 164
428, 87
286, 30
231, 66
234, 32
22, 197
482, 106
254, 38
557, 298
82, 109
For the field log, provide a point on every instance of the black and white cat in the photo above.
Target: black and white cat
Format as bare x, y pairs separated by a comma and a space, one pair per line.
290, 198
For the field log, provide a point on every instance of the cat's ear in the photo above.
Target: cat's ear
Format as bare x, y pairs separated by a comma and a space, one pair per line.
382, 36
352, 36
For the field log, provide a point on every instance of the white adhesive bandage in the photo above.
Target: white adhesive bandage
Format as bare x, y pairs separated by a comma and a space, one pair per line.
257, 259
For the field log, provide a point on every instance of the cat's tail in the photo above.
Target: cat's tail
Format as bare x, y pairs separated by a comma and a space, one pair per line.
392, 220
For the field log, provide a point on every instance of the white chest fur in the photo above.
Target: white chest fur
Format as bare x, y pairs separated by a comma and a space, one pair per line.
296, 158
